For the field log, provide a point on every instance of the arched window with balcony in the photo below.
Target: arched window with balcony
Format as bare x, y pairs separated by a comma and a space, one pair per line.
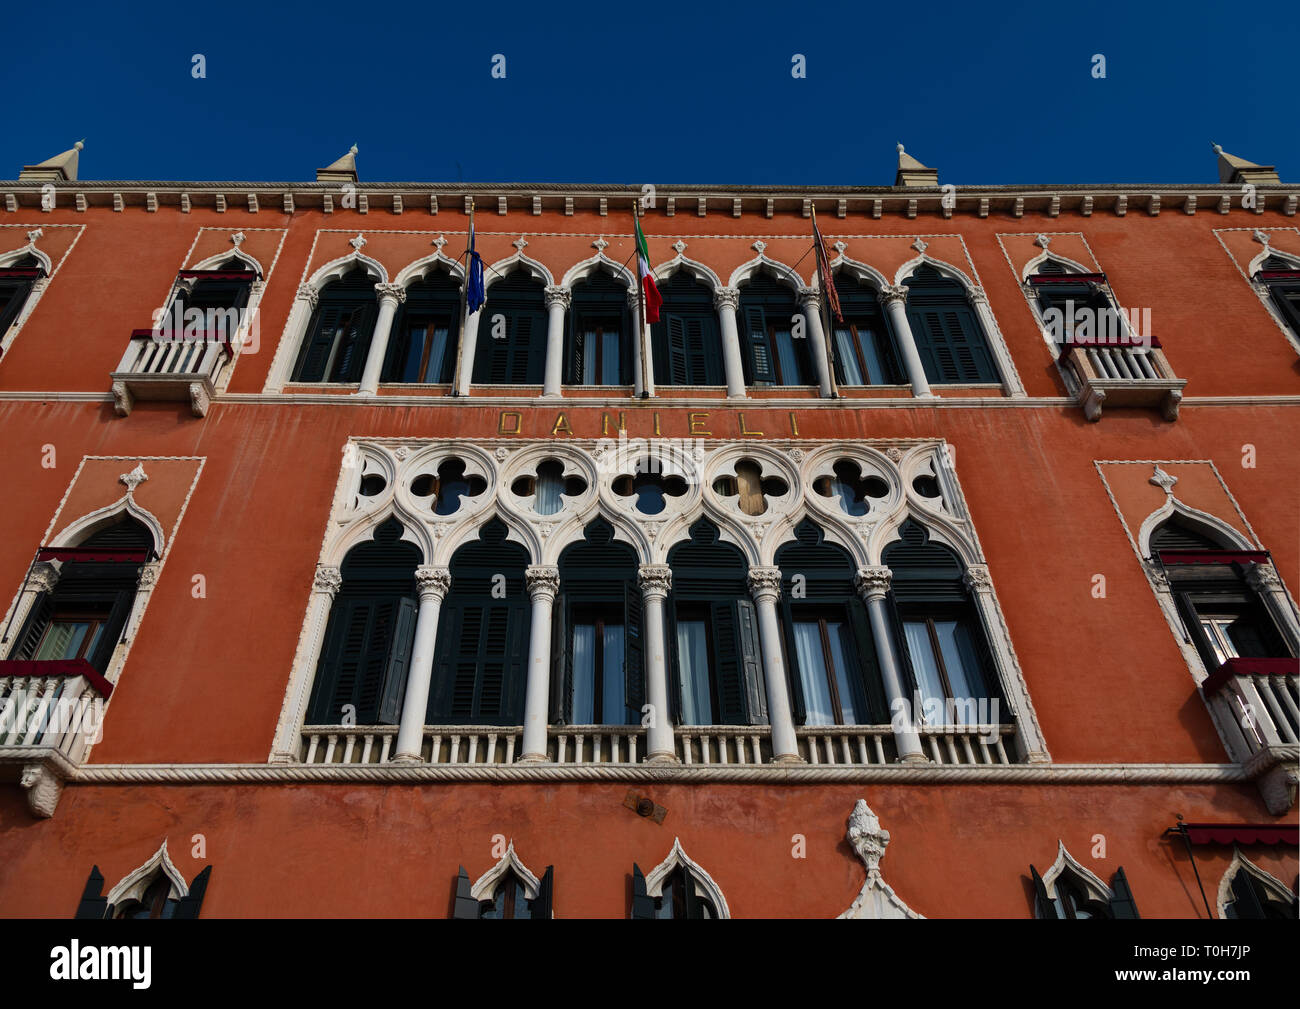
16, 282
1281, 278
774, 340
953, 346
338, 335
361, 674
481, 656
865, 351
713, 634
599, 676
598, 342
834, 676
511, 345
687, 340
422, 347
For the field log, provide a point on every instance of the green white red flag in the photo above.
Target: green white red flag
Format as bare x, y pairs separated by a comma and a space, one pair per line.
653, 299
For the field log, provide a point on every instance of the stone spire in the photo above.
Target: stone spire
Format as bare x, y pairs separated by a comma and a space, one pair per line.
1235, 170
60, 168
343, 170
912, 173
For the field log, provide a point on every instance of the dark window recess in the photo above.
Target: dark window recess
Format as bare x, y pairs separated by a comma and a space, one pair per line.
679, 897
1251, 899
687, 342
511, 345
219, 297
1073, 901
713, 635
154, 902
775, 353
863, 346
371, 630
952, 346
509, 898
482, 645
1283, 280
831, 655
15, 285
86, 614
426, 332
597, 647
598, 339
338, 336
1069, 298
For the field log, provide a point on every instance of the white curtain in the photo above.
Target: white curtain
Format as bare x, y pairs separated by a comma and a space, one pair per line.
848, 359
790, 372
928, 681
812, 674
693, 662
844, 659
613, 710
584, 673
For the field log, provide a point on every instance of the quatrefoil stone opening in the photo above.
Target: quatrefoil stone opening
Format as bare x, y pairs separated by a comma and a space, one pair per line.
448, 485
850, 487
548, 486
650, 487
750, 487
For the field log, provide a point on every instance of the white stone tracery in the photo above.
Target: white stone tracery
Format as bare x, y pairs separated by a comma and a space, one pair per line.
486, 884
1068, 867
1274, 887
704, 885
133, 885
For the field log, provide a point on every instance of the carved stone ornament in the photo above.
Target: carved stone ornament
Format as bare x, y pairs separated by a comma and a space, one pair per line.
501, 453
976, 578
357, 243
439, 242
148, 576
134, 479
556, 295
34, 234
308, 294
920, 245
1261, 237
433, 581
839, 247
726, 297
1043, 241
238, 238
679, 246
600, 245
1156, 572
1263, 578
765, 581
893, 292
401, 452
873, 582
43, 789
796, 454
395, 291
328, 580
542, 580
869, 839
895, 454
655, 580
44, 577
759, 246
1163, 480
520, 244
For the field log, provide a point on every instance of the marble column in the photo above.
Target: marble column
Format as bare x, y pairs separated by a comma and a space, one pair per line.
727, 300
873, 586
433, 584
558, 300
655, 581
543, 583
765, 586
894, 298
390, 296
810, 305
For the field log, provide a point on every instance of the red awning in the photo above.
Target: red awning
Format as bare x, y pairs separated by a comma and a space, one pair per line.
98, 555
1243, 833
1214, 556
1249, 667
57, 667
245, 275
1046, 279
1267, 275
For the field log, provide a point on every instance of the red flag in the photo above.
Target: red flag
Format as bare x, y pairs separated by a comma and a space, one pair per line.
824, 272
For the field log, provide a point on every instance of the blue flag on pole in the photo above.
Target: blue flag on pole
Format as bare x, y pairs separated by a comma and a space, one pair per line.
475, 294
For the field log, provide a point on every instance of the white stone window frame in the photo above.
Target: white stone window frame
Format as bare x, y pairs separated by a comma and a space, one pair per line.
354, 518
704, 884
866, 274
1240, 863
1068, 867
135, 883
1262, 290
485, 887
41, 285
585, 270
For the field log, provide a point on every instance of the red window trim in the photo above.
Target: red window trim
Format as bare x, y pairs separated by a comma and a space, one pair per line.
57, 667
1249, 667
114, 555
1168, 557
1048, 279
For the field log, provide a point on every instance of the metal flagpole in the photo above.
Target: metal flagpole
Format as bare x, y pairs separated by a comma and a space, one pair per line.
824, 307
464, 306
641, 305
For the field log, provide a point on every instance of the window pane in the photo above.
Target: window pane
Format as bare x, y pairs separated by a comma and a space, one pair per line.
63, 640
963, 680
812, 673
869, 340
414, 354
787, 358
924, 665
612, 710
437, 351
1219, 641
584, 674
844, 657
693, 661
589, 357
609, 363
849, 365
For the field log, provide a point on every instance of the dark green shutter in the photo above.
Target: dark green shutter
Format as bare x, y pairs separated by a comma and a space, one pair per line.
465, 906
900, 647
561, 664
1122, 904
761, 367
398, 664
633, 652
38, 618
643, 905
1245, 901
190, 905
950, 344
573, 359
703, 352
871, 682
113, 628
344, 635
358, 326
316, 349
1043, 905
516, 670
678, 369
751, 662
728, 669
674, 664
541, 905
521, 349
691, 904
374, 659
93, 904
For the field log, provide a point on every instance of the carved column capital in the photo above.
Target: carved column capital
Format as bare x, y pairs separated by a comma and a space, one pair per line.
329, 580
1263, 577
308, 294
44, 576
893, 292
726, 297
976, 578
543, 581
148, 575
391, 292
1156, 572
977, 296
655, 580
765, 583
873, 582
557, 295
809, 296
433, 583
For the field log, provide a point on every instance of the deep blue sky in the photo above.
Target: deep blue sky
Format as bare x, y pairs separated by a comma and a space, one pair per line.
989, 93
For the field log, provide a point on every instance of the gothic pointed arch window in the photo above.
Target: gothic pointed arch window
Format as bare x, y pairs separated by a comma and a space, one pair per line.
155, 889
361, 674
775, 344
211, 301
952, 344
834, 677
677, 888
1062, 292
599, 676
85, 615
942, 642
717, 667
598, 347
1281, 277
16, 283
1247, 891
507, 890
687, 341
511, 347
481, 655
426, 330
1071, 891
338, 335
865, 348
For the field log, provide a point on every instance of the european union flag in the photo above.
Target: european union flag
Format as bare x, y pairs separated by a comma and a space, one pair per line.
475, 293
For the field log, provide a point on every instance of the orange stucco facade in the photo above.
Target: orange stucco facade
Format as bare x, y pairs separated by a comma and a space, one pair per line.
244, 495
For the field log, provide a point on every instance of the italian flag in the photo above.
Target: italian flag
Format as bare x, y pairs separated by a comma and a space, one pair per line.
653, 299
